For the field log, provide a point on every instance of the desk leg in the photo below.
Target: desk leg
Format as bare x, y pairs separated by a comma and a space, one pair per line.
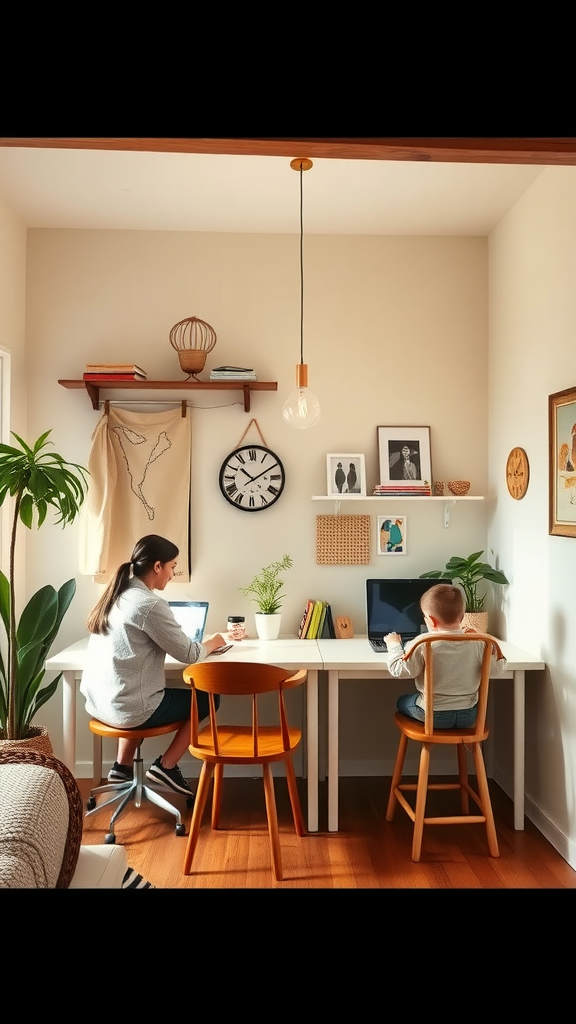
333, 682
69, 719
519, 748
312, 747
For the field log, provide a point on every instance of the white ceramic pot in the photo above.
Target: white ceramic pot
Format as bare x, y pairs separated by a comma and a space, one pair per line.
268, 626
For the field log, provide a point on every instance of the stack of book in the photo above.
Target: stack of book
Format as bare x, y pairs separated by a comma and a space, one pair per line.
232, 373
403, 489
317, 622
99, 372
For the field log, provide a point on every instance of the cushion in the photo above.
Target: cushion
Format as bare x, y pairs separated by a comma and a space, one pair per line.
40, 821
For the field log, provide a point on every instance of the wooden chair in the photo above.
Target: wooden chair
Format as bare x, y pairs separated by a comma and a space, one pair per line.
218, 745
424, 733
135, 789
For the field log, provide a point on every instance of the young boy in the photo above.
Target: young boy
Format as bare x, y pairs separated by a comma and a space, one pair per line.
457, 667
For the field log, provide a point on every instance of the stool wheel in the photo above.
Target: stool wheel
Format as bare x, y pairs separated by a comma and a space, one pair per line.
181, 829
91, 804
110, 838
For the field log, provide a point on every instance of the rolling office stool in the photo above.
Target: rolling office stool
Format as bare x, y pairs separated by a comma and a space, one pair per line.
135, 789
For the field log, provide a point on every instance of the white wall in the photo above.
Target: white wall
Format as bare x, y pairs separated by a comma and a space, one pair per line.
532, 255
395, 333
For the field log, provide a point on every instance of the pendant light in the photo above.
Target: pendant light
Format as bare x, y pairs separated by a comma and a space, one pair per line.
301, 409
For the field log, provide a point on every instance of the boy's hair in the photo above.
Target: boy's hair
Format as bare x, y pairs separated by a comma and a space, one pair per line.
444, 602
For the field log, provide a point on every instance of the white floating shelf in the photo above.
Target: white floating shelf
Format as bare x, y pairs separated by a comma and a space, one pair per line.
448, 499
397, 497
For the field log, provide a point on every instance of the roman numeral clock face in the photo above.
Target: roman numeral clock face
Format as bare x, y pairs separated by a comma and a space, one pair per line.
252, 478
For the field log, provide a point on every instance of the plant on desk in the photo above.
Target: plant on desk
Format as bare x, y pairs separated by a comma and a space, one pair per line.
468, 572
264, 590
35, 479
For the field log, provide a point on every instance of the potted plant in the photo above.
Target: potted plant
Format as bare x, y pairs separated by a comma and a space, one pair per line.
266, 587
468, 572
35, 479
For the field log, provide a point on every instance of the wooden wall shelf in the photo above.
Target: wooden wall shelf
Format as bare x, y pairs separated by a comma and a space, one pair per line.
171, 385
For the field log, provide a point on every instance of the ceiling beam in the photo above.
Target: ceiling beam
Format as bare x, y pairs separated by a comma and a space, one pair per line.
446, 150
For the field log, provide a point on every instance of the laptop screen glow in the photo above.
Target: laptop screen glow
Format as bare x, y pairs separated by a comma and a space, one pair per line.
191, 616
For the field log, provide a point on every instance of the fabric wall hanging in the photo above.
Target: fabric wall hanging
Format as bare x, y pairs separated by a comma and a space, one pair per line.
342, 540
139, 484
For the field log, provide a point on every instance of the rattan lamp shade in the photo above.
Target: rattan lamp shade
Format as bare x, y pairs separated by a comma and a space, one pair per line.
193, 339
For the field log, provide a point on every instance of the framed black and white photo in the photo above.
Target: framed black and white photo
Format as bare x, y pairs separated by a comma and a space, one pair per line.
391, 535
345, 474
404, 456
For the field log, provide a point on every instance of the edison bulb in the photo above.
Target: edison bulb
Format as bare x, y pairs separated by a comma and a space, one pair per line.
301, 409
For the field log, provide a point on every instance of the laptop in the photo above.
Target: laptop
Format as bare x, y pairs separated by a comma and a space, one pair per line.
393, 606
191, 615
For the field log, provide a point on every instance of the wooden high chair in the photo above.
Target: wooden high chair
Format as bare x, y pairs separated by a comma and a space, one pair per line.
218, 745
424, 733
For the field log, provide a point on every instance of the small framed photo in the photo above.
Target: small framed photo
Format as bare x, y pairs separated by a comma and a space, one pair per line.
562, 462
345, 474
404, 455
391, 535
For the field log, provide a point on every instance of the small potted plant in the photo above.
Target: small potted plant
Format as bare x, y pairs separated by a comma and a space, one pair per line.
37, 480
264, 590
468, 572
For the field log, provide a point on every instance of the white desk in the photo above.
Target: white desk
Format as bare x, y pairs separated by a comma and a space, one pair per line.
355, 659
344, 659
285, 652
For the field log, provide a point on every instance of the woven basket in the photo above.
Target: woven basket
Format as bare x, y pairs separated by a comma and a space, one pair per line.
193, 339
192, 360
37, 740
459, 486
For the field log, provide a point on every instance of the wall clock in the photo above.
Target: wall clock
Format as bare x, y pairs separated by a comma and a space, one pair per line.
252, 478
517, 473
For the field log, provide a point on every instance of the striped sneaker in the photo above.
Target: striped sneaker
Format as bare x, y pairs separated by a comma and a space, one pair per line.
120, 773
171, 777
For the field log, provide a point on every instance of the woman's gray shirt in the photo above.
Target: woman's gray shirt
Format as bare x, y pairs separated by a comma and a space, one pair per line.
123, 682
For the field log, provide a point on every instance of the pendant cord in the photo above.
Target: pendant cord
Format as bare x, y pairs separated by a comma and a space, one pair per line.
301, 270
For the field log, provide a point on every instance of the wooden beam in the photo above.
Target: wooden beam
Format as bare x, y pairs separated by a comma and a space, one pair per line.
455, 150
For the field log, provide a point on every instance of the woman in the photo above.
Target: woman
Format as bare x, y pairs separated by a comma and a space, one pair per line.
132, 630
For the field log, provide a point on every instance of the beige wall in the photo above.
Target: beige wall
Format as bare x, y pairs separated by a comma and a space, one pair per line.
532, 348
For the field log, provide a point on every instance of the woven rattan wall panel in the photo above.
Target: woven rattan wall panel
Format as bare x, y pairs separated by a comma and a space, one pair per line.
342, 540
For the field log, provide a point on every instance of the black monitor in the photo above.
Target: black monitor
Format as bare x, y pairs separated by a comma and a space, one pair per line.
393, 606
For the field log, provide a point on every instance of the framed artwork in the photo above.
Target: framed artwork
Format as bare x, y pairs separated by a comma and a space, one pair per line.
562, 462
345, 474
404, 455
391, 535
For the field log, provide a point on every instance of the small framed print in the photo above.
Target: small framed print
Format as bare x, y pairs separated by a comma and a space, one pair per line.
345, 474
562, 462
391, 535
404, 455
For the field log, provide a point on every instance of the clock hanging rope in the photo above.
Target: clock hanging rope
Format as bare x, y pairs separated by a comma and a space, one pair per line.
252, 476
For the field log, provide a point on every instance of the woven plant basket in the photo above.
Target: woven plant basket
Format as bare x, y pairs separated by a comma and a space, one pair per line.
38, 740
478, 620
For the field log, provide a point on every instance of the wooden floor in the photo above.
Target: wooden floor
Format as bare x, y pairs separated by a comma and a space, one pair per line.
367, 853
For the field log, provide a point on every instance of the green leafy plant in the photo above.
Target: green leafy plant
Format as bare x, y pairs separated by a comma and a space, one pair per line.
468, 572
36, 480
266, 586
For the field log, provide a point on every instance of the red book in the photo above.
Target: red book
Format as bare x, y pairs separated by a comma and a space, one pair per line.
101, 378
